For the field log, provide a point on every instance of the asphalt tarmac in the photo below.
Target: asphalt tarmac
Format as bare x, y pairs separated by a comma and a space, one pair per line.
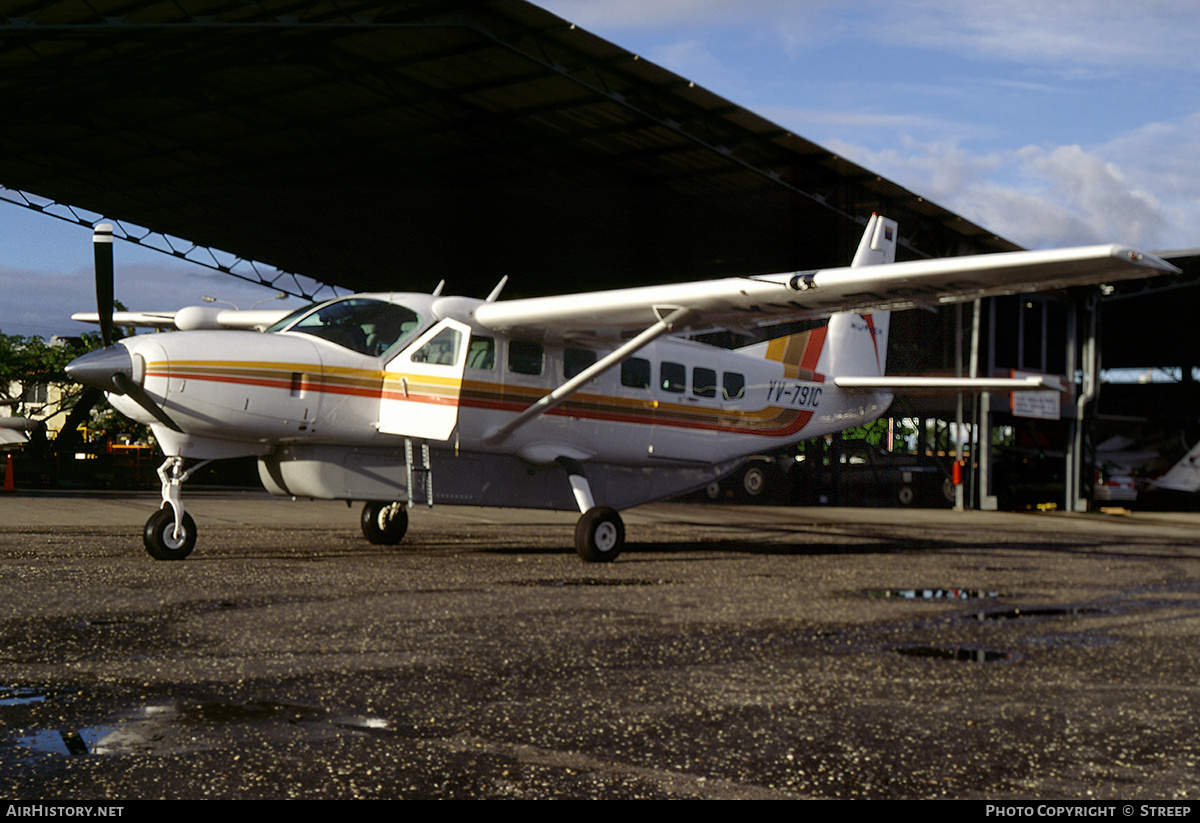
730, 652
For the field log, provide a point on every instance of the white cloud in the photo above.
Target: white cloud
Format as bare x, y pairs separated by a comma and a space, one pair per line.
1097, 191
1069, 33
1037, 196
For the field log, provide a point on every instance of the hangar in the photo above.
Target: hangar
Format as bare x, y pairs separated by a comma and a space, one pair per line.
382, 145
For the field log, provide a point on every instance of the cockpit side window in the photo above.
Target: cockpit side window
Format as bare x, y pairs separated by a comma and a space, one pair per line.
369, 327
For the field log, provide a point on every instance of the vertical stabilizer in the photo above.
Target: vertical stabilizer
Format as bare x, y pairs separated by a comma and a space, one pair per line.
856, 344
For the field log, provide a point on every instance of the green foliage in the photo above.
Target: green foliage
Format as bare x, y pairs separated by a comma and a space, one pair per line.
26, 362
876, 433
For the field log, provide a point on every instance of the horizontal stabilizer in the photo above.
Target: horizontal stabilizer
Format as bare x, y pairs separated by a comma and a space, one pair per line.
944, 385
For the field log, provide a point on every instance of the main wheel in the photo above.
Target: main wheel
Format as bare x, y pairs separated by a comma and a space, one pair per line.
383, 524
159, 535
754, 481
599, 535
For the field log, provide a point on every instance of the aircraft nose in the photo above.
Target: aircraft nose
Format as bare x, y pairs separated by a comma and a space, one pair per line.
98, 368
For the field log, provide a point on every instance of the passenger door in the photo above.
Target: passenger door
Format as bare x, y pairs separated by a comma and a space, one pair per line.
423, 383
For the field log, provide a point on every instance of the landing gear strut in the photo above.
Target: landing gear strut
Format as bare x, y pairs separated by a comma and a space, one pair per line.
170, 533
600, 533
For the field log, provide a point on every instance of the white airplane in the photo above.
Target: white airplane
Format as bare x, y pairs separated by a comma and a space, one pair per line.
13, 431
594, 401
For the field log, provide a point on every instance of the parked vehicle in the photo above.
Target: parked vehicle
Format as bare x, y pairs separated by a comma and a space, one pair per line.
858, 473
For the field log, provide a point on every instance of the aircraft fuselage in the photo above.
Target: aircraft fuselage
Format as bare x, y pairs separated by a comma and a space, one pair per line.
294, 396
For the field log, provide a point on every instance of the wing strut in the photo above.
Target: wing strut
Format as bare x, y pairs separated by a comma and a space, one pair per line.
665, 324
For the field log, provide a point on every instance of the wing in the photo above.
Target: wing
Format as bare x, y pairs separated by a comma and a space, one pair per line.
12, 431
749, 302
191, 317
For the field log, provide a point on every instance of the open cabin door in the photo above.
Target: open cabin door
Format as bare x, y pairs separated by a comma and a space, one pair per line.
422, 384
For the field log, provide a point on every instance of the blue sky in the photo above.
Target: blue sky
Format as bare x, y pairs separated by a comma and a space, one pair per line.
1052, 123
1056, 122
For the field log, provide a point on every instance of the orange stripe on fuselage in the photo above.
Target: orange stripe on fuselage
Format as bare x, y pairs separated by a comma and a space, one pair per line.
770, 421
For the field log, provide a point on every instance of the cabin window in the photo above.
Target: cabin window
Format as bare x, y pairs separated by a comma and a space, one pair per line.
635, 373
576, 360
442, 350
481, 353
704, 382
733, 385
672, 377
525, 357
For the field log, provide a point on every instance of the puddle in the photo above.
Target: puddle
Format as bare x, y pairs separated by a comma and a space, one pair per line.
590, 581
1072, 641
1018, 614
20, 696
172, 728
933, 594
56, 742
956, 653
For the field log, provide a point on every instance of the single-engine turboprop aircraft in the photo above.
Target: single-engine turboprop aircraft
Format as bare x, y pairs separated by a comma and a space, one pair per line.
543, 402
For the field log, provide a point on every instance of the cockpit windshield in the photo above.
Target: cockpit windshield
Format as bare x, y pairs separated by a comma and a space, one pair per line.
366, 326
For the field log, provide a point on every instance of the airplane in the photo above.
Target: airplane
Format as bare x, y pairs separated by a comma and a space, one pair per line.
594, 401
13, 431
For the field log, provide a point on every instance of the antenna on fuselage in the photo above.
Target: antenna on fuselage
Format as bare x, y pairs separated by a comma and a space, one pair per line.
437, 290
491, 298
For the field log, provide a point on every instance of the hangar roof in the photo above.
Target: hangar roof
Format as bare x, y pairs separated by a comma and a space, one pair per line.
387, 145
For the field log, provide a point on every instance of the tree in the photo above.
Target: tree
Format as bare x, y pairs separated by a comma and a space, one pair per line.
29, 362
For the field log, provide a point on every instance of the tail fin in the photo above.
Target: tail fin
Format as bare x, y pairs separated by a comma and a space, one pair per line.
850, 344
856, 344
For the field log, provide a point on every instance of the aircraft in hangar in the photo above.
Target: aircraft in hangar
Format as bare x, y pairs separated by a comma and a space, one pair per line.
596, 401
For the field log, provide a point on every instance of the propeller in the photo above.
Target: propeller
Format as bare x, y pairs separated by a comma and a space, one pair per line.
102, 250
138, 395
110, 369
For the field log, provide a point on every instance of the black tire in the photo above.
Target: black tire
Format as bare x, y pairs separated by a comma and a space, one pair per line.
754, 481
713, 490
159, 535
906, 496
381, 528
949, 491
599, 535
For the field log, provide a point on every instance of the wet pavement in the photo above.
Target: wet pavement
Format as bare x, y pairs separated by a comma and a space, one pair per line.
731, 652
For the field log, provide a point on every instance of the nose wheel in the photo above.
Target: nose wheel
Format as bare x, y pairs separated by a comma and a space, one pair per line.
170, 533
163, 541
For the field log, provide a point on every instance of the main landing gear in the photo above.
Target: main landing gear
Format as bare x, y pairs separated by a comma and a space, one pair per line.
600, 533
170, 533
384, 524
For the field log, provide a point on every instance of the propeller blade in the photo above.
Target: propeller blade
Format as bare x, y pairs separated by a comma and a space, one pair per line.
137, 394
102, 239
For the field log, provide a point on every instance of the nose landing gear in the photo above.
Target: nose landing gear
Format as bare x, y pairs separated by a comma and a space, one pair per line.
170, 533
